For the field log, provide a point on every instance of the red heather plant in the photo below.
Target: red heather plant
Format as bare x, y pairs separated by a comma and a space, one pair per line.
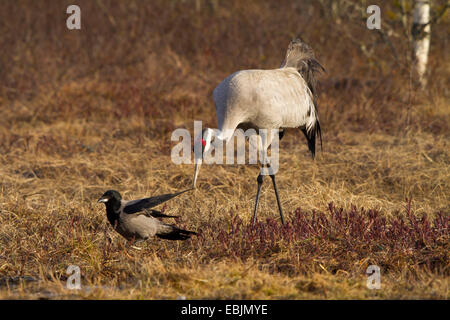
333, 235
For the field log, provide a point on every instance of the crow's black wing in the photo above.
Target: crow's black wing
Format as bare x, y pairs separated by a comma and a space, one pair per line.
157, 214
146, 203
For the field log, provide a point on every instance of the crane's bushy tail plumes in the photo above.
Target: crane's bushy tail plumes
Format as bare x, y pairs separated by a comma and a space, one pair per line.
300, 55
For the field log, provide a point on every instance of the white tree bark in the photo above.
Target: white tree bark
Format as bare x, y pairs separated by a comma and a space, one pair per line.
421, 38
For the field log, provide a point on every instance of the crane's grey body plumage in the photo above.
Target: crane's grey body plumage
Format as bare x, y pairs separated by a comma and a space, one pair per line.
264, 99
134, 221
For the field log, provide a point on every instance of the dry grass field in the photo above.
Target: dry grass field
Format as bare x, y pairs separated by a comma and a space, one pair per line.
88, 110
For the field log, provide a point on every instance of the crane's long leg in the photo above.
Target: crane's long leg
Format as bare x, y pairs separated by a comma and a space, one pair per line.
260, 180
278, 198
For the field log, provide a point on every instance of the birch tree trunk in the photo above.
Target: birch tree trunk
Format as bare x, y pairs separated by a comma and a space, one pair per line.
421, 37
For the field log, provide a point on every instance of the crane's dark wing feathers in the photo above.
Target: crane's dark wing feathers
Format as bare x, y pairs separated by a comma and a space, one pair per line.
311, 137
146, 203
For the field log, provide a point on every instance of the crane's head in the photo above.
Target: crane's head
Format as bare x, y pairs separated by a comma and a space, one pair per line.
202, 144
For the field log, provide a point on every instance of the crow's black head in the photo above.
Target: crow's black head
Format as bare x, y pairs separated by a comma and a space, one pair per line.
110, 195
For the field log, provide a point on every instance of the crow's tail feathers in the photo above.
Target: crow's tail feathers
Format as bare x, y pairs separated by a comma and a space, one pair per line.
176, 234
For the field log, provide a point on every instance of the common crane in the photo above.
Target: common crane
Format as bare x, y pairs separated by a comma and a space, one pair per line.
268, 99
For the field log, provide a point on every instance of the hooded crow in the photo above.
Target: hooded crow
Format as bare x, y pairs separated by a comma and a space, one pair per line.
134, 222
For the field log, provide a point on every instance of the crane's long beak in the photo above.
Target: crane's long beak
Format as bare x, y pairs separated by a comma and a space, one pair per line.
198, 158
200, 147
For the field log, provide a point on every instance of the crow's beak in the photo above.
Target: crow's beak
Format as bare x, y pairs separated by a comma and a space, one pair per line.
102, 199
